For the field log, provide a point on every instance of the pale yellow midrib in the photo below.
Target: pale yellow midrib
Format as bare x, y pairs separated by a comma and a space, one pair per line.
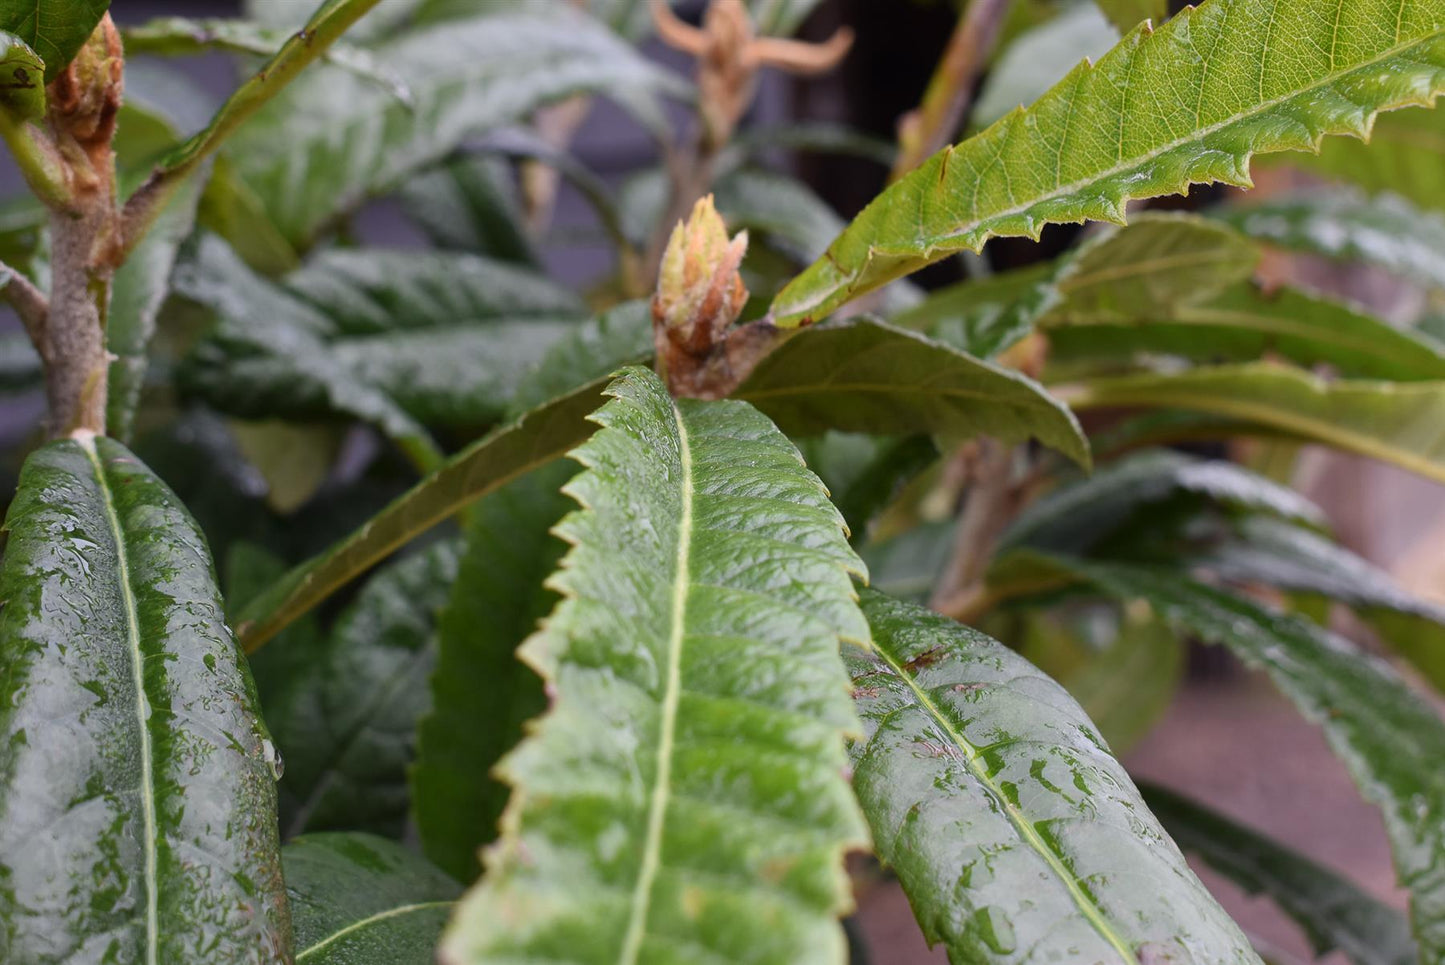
371, 920
657, 810
147, 788
1024, 828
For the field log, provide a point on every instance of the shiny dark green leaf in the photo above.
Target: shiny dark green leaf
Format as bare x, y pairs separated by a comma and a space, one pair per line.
534, 439
1016, 834
54, 29
1384, 230
863, 375
345, 715
1224, 80
685, 796
138, 786
1390, 739
1334, 913
592, 350
332, 140
497, 601
357, 899
470, 204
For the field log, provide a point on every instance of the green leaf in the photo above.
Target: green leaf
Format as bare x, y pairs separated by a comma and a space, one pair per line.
495, 604
1272, 553
984, 316
357, 899
345, 715
592, 350
684, 798
534, 439
184, 37
1384, 230
1389, 738
1334, 913
470, 204
1224, 81
1405, 154
1039, 58
863, 473
137, 791
53, 29
22, 94
138, 291
1014, 831
1128, 14
400, 339
1393, 422
1080, 514
331, 141
863, 375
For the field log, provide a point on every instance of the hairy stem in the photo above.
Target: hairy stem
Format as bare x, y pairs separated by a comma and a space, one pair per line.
992, 502
28, 301
945, 105
73, 345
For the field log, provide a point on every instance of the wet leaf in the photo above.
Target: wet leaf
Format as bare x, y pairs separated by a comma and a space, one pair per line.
138, 790
1093, 142
1334, 913
686, 790
497, 601
1014, 831
362, 900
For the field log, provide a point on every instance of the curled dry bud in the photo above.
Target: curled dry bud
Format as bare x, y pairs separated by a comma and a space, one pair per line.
85, 100
700, 294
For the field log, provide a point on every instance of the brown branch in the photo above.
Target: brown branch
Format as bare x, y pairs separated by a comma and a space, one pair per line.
29, 303
931, 127
992, 502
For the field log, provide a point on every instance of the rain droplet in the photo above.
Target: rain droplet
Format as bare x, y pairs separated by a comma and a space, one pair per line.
272, 756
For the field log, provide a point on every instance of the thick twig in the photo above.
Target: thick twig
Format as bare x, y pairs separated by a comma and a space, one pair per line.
932, 126
991, 503
29, 303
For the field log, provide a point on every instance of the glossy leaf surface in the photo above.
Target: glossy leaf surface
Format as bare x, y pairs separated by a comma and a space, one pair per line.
54, 29
1384, 230
1393, 422
1334, 913
137, 792
867, 376
497, 601
1189, 102
534, 439
1016, 834
684, 798
357, 899
333, 140
344, 709
1389, 738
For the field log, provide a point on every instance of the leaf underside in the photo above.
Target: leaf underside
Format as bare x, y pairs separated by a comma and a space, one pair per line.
684, 798
137, 796
1187, 103
1016, 834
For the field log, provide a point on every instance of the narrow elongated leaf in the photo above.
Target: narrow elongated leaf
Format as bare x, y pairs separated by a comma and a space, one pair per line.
1015, 832
1334, 913
592, 350
1079, 514
495, 604
470, 204
985, 316
1405, 154
1384, 230
1224, 81
345, 715
54, 29
685, 797
867, 376
1271, 553
139, 289
333, 140
137, 791
399, 339
1388, 737
534, 439
357, 899
1393, 422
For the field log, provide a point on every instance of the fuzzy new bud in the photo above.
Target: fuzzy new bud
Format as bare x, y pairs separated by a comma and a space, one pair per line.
699, 290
